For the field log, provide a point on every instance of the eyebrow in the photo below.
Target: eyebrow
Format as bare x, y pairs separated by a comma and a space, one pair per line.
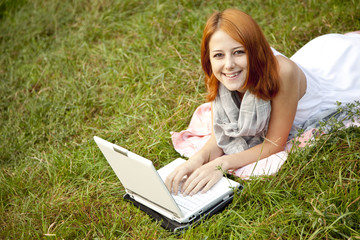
240, 47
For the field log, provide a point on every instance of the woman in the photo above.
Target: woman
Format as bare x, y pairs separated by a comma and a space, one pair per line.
258, 96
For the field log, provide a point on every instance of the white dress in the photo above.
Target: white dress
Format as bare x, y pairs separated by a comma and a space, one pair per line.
331, 64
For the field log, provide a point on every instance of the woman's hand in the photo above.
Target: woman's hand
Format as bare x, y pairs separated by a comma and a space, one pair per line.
197, 163
174, 179
203, 178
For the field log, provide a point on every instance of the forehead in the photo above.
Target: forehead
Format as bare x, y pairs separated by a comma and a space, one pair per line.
220, 40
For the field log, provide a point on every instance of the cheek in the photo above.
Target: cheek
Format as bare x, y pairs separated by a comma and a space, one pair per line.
242, 62
215, 66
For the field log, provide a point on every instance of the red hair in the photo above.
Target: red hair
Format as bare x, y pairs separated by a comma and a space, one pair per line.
263, 77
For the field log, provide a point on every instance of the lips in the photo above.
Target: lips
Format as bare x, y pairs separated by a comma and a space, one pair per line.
232, 75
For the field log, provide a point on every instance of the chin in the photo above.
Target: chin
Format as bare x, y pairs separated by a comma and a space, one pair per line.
233, 88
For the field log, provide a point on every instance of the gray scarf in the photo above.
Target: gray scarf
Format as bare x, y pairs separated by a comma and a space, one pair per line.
239, 124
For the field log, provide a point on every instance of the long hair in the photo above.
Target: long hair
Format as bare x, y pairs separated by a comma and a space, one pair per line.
263, 77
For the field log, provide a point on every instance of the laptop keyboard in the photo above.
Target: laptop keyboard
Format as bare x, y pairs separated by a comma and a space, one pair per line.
190, 203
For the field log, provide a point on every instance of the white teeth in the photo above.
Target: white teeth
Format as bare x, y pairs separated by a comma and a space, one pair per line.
232, 75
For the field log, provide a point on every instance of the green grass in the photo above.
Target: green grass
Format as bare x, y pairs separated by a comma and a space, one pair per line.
129, 71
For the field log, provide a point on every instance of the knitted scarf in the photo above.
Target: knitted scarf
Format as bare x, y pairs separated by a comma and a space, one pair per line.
239, 124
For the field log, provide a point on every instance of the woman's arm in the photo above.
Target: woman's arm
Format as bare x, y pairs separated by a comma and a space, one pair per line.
283, 109
208, 152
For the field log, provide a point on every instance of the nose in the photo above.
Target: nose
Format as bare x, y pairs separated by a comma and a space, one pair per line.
229, 63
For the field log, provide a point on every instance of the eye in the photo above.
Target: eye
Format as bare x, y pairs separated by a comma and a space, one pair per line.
218, 55
239, 52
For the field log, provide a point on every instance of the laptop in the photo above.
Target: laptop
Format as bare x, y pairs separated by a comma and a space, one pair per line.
146, 186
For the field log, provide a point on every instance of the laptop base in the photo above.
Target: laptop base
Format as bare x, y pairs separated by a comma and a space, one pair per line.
175, 226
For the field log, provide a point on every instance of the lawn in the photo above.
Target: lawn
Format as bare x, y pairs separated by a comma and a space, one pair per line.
129, 71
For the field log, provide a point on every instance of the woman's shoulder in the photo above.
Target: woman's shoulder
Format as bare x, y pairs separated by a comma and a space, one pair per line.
292, 79
287, 68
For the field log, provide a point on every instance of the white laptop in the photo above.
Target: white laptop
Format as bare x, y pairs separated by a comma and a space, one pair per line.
146, 185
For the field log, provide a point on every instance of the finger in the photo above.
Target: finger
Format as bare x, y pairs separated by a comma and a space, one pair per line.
195, 183
209, 185
190, 183
198, 187
191, 178
171, 179
168, 181
176, 182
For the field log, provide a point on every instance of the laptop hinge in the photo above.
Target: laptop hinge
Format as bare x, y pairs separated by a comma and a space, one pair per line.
121, 151
132, 194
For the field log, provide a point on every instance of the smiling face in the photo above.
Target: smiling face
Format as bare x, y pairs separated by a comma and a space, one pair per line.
228, 61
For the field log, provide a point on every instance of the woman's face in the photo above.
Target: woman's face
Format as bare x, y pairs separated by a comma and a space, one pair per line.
228, 61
